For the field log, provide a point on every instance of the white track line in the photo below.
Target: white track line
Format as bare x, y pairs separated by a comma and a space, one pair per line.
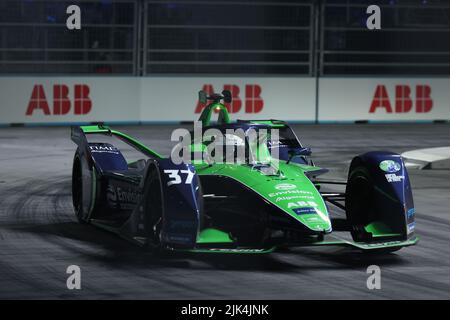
430, 158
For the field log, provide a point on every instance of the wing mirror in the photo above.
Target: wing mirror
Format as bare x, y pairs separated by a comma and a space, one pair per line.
226, 96
301, 152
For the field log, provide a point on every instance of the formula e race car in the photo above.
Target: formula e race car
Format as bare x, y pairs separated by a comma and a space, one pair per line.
270, 198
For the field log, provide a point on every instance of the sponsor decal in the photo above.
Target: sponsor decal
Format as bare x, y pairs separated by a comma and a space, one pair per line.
390, 166
293, 198
273, 144
129, 195
377, 245
103, 149
411, 227
81, 104
392, 177
312, 219
410, 213
306, 210
123, 198
281, 193
285, 186
179, 238
403, 101
282, 143
111, 194
302, 204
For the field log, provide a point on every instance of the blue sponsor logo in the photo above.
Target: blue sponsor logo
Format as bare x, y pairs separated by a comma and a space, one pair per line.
307, 210
410, 213
390, 166
411, 227
179, 238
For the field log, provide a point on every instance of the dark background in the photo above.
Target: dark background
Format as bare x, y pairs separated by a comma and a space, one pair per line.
139, 37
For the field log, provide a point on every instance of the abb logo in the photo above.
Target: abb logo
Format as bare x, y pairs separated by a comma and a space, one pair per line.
253, 101
403, 100
82, 104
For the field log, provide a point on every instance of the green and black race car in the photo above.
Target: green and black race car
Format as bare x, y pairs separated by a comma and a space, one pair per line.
267, 198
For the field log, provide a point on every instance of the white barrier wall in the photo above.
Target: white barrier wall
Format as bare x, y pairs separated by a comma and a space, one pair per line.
385, 99
152, 99
172, 99
68, 99
253, 98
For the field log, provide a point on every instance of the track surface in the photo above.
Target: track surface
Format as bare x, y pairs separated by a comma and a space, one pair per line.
39, 237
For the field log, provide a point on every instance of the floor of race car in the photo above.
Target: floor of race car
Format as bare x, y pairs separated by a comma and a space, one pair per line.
39, 237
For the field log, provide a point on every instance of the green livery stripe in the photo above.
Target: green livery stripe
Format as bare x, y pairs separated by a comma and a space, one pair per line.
137, 143
211, 235
95, 129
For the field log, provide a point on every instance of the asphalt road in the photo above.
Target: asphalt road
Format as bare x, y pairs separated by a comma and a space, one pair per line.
39, 237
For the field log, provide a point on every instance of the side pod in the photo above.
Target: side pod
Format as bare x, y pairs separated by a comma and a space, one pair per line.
379, 202
182, 204
169, 211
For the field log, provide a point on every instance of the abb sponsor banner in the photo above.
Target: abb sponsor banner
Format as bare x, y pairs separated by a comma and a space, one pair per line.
68, 99
152, 99
384, 99
170, 98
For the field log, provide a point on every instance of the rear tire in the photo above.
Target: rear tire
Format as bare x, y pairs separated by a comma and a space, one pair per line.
83, 188
154, 205
77, 189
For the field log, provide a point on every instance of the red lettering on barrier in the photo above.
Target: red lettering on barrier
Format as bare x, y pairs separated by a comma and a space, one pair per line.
38, 101
83, 103
403, 102
380, 99
61, 102
424, 103
253, 101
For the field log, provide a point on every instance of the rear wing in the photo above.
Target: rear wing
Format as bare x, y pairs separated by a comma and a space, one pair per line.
78, 135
